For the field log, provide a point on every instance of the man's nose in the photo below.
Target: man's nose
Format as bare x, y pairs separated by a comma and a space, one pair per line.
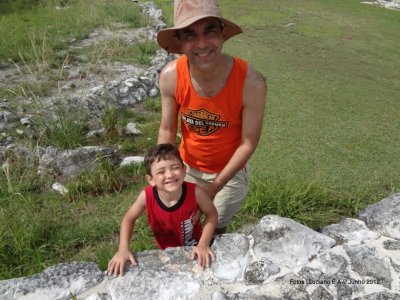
201, 40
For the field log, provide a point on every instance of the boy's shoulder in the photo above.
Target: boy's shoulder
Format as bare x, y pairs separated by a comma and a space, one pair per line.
190, 186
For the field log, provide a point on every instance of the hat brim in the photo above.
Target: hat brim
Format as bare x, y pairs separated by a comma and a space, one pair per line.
168, 40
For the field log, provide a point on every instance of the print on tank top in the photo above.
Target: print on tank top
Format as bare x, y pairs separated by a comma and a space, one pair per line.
203, 122
187, 231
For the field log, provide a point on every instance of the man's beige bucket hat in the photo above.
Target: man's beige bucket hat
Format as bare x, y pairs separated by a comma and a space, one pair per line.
186, 12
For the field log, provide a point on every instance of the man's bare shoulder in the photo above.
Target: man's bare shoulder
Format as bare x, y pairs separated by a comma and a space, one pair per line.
169, 70
255, 89
168, 79
255, 79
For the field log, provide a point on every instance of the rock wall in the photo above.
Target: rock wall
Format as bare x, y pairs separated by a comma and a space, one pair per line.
391, 4
278, 259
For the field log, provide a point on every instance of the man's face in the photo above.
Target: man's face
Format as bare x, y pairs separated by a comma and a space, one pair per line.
202, 42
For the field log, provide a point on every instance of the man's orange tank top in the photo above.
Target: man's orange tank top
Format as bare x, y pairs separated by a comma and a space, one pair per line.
211, 127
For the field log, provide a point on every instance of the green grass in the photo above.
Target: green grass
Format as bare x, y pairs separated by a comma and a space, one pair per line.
333, 92
333, 96
40, 31
329, 145
123, 51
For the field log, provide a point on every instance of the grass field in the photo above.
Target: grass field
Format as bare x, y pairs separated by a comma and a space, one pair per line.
329, 147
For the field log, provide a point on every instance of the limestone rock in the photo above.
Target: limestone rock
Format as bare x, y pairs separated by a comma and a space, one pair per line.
288, 243
57, 282
384, 216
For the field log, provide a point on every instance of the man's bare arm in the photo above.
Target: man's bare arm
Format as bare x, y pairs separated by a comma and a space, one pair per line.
169, 115
254, 98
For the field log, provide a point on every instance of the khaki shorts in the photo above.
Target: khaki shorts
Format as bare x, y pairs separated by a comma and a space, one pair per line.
229, 199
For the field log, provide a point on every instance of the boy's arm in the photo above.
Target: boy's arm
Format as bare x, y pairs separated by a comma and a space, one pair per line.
203, 250
117, 263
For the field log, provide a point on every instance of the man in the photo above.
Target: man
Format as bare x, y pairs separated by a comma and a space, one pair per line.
220, 100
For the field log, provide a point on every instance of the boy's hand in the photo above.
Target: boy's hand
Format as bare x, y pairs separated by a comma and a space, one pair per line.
204, 254
117, 263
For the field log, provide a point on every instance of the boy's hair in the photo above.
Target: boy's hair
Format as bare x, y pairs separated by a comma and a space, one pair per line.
161, 152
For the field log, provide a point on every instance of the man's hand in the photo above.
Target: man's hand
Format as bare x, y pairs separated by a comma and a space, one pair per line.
211, 189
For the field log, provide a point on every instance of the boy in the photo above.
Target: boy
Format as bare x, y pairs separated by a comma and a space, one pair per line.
172, 210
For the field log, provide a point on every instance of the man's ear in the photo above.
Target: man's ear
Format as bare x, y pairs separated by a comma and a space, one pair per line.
150, 180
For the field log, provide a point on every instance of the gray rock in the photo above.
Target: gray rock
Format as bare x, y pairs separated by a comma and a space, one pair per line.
282, 288
238, 272
391, 245
3, 152
231, 252
57, 282
257, 272
160, 283
383, 217
331, 264
365, 261
321, 293
132, 160
288, 243
25, 121
72, 162
374, 268
58, 187
385, 295
349, 231
131, 128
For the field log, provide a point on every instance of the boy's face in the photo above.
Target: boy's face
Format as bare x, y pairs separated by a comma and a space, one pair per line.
167, 175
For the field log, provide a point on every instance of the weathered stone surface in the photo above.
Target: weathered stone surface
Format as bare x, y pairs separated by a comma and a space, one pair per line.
72, 162
394, 4
380, 296
231, 254
132, 128
350, 231
287, 243
282, 288
57, 282
391, 245
132, 160
320, 293
258, 271
3, 151
144, 283
365, 261
359, 269
383, 217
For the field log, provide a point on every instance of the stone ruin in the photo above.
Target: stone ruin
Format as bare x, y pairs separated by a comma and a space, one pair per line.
277, 259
